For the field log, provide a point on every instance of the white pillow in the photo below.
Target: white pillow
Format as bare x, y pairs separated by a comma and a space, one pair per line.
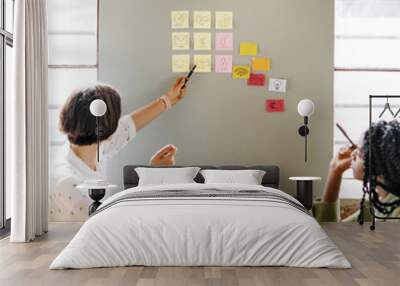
163, 176
248, 177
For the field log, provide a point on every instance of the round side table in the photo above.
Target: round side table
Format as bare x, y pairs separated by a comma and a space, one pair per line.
96, 192
305, 190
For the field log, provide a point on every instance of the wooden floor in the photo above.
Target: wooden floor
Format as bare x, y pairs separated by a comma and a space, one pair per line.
375, 257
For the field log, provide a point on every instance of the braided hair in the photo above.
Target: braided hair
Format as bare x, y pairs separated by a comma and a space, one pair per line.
381, 150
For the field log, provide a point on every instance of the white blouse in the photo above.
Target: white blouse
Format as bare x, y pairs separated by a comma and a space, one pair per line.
68, 203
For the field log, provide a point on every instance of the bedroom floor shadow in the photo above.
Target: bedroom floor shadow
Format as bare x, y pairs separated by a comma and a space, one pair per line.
375, 257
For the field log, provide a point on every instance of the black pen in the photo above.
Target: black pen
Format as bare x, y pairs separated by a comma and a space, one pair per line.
189, 75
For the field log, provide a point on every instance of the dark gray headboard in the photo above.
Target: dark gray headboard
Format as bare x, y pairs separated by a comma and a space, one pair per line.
271, 177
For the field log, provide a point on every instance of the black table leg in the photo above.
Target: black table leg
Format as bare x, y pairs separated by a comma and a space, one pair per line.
96, 195
305, 193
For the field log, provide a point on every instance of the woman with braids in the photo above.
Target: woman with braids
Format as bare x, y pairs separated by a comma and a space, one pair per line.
385, 174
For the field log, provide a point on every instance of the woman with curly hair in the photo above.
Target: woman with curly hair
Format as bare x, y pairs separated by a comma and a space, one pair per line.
379, 152
79, 126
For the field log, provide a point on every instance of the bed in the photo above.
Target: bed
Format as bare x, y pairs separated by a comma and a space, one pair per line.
198, 224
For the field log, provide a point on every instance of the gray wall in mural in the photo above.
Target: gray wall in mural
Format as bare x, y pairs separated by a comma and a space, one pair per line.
223, 121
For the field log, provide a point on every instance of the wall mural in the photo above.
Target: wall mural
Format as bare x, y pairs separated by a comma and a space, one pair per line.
194, 41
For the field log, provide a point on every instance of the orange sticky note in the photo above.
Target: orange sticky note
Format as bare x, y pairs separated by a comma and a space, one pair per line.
261, 64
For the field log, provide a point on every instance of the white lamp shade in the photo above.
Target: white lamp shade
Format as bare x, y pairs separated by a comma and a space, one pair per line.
98, 107
305, 107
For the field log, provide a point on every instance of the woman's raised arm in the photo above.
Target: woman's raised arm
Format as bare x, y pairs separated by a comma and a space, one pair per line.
151, 111
339, 164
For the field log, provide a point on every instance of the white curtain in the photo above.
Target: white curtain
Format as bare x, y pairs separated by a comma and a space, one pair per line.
27, 123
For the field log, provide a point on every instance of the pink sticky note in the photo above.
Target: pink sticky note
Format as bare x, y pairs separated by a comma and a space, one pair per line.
275, 105
256, 79
224, 41
223, 63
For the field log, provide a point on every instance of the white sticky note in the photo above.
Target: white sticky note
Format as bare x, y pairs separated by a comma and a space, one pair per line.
223, 20
277, 85
202, 41
202, 19
203, 63
180, 41
180, 63
180, 19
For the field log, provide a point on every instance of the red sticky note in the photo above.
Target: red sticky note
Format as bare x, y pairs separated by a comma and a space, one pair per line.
275, 105
256, 79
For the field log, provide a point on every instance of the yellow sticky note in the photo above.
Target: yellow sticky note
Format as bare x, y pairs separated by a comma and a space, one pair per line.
240, 72
180, 41
223, 20
180, 19
248, 49
180, 63
261, 64
202, 41
203, 63
202, 19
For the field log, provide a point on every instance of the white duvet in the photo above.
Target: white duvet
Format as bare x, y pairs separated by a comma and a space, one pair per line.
193, 231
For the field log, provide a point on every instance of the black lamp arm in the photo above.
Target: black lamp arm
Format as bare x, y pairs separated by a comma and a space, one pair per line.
304, 131
98, 139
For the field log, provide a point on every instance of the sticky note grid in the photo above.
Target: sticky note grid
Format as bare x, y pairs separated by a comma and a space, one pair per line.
193, 40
